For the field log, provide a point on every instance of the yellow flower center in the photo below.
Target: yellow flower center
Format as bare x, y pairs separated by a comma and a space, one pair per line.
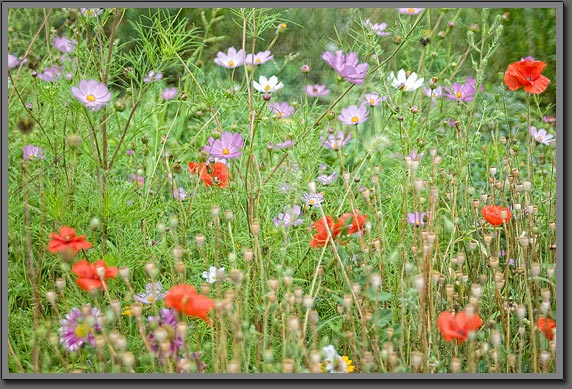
355, 119
226, 151
150, 299
372, 101
334, 145
410, 10
82, 330
349, 368
283, 25
90, 98
311, 202
230, 63
459, 95
279, 114
404, 87
257, 60
266, 87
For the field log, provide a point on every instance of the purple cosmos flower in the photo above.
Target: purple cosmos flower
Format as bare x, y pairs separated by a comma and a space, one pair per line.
541, 136
433, 93
32, 152
64, 45
231, 59
316, 90
91, 12
153, 76
305, 69
29, 105
404, 82
13, 61
373, 99
336, 142
416, 219
290, 217
153, 292
227, 146
410, 11
167, 320
511, 262
462, 92
267, 85
281, 110
549, 119
51, 74
92, 93
528, 58
287, 144
414, 156
452, 123
327, 179
180, 194
258, 58
347, 66
140, 180
169, 93
130, 152
353, 115
378, 29
77, 329
313, 199
285, 188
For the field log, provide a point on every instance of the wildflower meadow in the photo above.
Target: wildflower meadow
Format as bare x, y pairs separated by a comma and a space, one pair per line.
273, 190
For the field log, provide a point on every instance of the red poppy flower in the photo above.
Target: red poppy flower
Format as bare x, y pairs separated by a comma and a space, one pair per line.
67, 241
458, 326
546, 326
88, 278
526, 73
184, 299
492, 214
320, 239
357, 223
216, 173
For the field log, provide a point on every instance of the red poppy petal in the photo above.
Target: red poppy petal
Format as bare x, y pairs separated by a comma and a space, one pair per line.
199, 306
512, 81
447, 326
538, 86
89, 283
83, 268
67, 231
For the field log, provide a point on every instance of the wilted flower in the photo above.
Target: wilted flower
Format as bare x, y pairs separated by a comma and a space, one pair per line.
153, 76
153, 292
541, 136
316, 90
353, 115
267, 85
290, 217
210, 276
231, 59
373, 99
228, 146
32, 152
410, 11
347, 66
335, 142
77, 329
169, 93
258, 58
63, 44
405, 83
281, 110
92, 93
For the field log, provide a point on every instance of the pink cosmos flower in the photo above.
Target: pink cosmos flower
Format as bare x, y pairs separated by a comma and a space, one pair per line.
416, 219
462, 92
433, 93
31, 152
353, 115
287, 144
258, 58
169, 93
228, 146
231, 59
325, 179
410, 11
549, 119
378, 29
373, 99
153, 76
335, 142
51, 74
316, 90
313, 199
281, 110
64, 45
92, 93
347, 66
290, 217
541, 136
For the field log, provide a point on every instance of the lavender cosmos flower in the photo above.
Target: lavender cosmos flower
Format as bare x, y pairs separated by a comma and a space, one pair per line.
462, 92
231, 59
32, 152
153, 76
549, 119
227, 146
410, 11
305, 69
287, 144
169, 93
377, 28
404, 82
92, 93
347, 66
290, 217
353, 115
77, 329
433, 93
140, 180
13, 61
528, 58
166, 320
541, 136
325, 179
153, 292
267, 85
336, 142
64, 45
51, 74
414, 156
313, 199
416, 219
316, 90
91, 12
373, 99
180, 194
212, 275
258, 58
281, 110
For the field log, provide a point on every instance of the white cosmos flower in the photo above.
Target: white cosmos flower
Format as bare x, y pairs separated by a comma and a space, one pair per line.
407, 84
213, 274
267, 85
